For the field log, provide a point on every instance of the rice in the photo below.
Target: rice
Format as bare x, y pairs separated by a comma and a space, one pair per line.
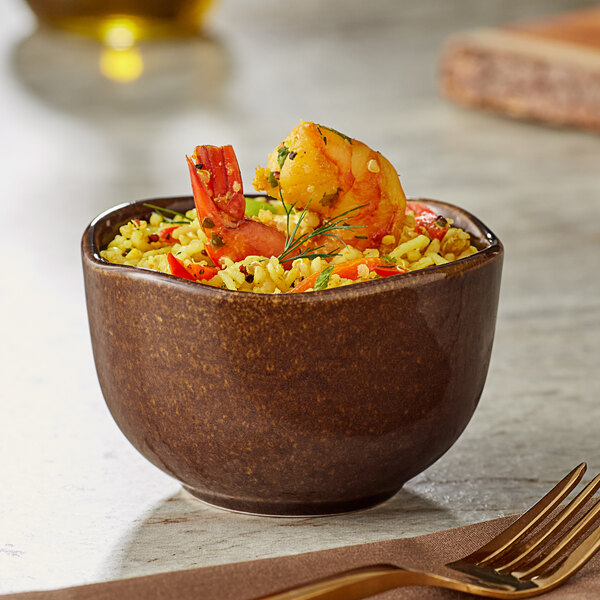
147, 244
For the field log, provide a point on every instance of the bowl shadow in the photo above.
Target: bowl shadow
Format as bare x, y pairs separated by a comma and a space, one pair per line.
182, 532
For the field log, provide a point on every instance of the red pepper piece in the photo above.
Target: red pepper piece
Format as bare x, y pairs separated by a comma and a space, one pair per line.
349, 270
165, 233
426, 221
192, 272
384, 270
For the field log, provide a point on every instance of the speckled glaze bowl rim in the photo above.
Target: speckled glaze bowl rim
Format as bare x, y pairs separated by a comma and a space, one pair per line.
492, 249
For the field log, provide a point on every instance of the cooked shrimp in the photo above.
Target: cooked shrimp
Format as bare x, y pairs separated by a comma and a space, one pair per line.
329, 172
220, 205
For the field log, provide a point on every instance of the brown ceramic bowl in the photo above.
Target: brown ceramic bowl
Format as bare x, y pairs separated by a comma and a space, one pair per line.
292, 404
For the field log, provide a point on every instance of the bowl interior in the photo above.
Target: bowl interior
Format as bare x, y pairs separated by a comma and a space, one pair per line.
106, 225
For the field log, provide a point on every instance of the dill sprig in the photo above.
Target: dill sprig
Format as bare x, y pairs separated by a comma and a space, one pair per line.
162, 212
293, 243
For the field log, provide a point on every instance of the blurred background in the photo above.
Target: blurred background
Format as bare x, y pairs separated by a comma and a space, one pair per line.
100, 111
109, 115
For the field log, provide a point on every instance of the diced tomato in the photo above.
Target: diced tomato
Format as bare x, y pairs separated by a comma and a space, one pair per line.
427, 221
192, 272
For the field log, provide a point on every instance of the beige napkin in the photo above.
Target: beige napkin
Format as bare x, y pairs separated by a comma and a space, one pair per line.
247, 580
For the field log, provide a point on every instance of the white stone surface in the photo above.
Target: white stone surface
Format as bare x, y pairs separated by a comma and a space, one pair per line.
77, 503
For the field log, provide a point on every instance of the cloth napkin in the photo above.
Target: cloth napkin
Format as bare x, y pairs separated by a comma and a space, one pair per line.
248, 580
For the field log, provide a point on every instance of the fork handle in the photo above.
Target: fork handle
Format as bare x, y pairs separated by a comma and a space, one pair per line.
357, 584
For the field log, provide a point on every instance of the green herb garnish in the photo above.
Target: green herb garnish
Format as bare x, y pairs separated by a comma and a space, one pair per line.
272, 179
282, 154
390, 260
342, 135
254, 206
159, 210
322, 280
292, 243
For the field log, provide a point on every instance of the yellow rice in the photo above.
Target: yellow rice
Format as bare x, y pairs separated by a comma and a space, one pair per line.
413, 251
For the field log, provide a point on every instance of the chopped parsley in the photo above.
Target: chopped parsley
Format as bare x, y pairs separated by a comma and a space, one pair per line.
330, 199
282, 154
159, 210
216, 241
342, 135
323, 279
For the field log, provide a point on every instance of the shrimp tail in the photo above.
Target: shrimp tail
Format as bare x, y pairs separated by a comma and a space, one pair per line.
220, 206
205, 205
224, 185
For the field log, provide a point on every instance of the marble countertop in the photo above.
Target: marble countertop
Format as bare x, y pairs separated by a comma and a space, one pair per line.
77, 503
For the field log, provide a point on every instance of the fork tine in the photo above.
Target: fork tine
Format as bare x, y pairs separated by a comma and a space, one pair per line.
509, 560
530, 519
561, 547
573, 562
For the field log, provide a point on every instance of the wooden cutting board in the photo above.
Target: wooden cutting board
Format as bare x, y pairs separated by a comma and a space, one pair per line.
546, 70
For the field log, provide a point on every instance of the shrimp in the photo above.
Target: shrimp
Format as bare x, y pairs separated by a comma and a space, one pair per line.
329, 172
220, 206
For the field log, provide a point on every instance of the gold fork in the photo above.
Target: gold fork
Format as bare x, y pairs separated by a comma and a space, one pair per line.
526, 559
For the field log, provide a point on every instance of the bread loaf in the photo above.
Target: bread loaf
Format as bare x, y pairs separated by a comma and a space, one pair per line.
547, 70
